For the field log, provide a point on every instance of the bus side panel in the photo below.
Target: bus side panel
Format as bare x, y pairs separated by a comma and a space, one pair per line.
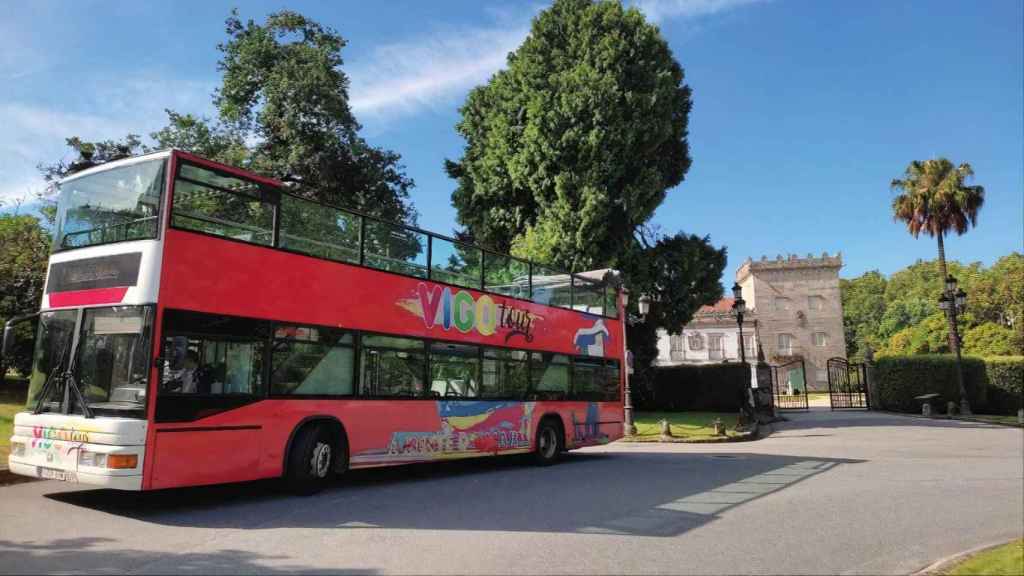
214, 455
585, 423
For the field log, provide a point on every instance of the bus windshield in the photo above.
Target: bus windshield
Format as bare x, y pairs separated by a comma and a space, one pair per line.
110, 206
111, 364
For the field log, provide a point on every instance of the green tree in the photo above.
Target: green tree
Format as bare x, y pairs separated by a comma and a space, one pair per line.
284, 92
991, 339
863, 307
570, 149
935, 199
24, 248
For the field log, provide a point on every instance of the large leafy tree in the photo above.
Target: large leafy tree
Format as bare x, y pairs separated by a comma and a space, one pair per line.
282, 112
863, 308
571, 148
24, 247
934, 198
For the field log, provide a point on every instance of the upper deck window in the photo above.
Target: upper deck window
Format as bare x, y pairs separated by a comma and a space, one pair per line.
110, 206
210, 202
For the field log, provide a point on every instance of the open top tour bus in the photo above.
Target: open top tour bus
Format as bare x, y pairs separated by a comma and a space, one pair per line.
201, 325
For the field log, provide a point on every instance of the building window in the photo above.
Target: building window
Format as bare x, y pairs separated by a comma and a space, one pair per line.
781, 304
696, 341
715, 347
675, 346
820, 339
815, 303
785, 344
748, 345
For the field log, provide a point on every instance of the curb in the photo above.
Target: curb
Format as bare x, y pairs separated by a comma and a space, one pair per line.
941, 565
753, 434
945, 418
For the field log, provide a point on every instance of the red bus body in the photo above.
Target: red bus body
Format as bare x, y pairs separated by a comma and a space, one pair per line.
199, 272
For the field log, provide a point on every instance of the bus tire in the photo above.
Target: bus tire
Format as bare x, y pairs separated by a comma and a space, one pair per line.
550, 442
311, 461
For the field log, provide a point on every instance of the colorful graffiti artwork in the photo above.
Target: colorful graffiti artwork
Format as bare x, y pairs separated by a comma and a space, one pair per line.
589, 430
465, 428
446, 308
591, 341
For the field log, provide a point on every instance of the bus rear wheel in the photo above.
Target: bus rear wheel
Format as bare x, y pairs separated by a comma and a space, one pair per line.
550, 443
312, 460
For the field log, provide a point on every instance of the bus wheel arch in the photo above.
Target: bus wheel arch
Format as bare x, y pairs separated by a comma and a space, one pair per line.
317, 450
550, 439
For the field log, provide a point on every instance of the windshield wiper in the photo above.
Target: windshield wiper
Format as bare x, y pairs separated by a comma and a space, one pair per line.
54, 375
72, 384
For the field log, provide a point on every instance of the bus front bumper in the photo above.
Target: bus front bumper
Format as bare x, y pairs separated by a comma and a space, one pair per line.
43, 462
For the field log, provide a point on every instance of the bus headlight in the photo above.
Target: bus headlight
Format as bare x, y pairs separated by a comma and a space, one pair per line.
93, 459
17, 448
110, 461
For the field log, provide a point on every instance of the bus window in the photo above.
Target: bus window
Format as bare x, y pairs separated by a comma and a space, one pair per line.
312, 361
391, 366
454, 263
550, 374
587, 379
587, 295
454, 370
505, 373
507, 275
210, 355
206, 201
395, 249
319, 230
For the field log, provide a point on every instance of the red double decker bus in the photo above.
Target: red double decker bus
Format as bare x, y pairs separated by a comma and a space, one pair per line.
202, 325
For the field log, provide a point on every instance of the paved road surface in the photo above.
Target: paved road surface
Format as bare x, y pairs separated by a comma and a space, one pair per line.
843, 493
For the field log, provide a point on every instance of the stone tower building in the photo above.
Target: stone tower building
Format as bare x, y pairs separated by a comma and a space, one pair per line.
799, 311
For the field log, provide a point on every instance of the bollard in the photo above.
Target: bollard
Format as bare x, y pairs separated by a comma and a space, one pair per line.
926, 409
1020, 416
666, 429
719, 428
951, 408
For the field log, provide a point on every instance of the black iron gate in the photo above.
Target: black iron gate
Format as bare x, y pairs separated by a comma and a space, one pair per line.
847, 384
789, 385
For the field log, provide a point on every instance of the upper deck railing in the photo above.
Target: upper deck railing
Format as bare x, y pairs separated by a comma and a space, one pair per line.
212, 201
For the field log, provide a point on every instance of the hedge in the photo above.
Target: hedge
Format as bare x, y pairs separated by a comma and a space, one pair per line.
708, 387
994, 385
1005, 384
898, 379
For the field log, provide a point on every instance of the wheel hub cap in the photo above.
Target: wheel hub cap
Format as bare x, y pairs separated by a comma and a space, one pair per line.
321, 461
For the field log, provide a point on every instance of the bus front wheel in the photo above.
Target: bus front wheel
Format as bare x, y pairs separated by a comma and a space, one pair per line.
550, 442
312, 460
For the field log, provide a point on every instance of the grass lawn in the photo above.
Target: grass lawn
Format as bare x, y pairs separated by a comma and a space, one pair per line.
12, 401
684, 424
994, 418
1004, 560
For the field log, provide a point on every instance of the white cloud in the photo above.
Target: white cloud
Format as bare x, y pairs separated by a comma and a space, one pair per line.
659, 10
34, 133
430, 72
435, 70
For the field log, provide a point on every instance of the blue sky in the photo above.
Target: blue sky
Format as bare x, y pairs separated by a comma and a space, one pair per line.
803, 113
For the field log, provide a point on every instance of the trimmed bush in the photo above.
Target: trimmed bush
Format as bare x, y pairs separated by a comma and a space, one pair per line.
1005, 383
898, 379
709, 387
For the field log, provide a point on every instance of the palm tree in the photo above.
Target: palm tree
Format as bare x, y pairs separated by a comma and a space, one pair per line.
934, 199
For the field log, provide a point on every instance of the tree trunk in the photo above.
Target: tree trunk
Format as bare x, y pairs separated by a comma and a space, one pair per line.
954, 345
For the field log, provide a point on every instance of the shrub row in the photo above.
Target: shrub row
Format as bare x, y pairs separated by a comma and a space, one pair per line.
1005, 384
709, 387
993, 384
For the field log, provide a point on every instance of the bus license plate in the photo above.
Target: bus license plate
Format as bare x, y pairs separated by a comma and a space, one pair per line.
54, 474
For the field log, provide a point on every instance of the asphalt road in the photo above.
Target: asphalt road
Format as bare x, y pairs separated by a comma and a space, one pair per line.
825, 493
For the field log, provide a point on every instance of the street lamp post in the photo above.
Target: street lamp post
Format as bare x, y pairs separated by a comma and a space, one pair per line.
739, 306
953, 302
644, 304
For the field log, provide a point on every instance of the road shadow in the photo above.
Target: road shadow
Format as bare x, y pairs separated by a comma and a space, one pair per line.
88, 555
634, 493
